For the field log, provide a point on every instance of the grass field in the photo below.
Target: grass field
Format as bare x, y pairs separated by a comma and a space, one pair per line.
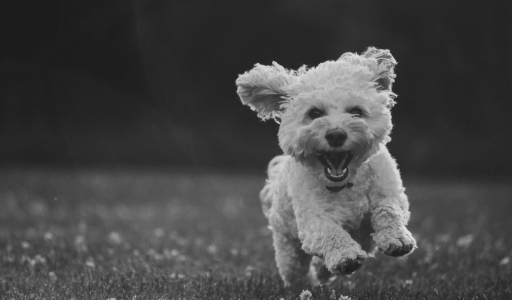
139, 234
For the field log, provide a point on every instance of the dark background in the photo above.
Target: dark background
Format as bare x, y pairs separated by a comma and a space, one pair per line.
151, 83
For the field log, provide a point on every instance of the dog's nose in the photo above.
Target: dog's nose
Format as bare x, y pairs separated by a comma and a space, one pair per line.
335, 137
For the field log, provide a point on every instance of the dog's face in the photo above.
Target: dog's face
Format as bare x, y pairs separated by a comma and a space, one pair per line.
333, 117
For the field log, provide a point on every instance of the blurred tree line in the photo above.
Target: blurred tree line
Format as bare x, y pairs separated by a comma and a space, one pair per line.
152, 82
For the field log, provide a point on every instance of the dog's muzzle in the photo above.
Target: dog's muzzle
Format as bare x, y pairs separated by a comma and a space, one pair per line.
336, 167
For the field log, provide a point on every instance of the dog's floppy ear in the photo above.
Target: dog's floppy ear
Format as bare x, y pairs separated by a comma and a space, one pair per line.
262, 89
385, 74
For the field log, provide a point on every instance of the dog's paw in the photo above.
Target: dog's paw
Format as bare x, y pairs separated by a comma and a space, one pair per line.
346, 261
395, 241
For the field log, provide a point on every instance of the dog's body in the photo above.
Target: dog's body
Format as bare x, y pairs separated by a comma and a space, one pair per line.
337, 181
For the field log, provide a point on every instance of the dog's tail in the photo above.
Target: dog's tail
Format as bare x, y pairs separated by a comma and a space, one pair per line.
268, 192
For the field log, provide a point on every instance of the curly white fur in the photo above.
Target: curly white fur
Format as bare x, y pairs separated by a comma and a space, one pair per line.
306, 217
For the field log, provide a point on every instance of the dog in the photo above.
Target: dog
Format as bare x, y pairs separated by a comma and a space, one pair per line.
336, 194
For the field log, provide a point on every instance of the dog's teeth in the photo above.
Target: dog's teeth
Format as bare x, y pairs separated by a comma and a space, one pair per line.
335, 175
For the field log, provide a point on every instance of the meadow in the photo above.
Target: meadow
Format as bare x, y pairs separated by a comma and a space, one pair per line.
163, 234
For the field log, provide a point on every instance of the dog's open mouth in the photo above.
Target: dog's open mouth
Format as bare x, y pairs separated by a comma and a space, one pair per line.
335, 163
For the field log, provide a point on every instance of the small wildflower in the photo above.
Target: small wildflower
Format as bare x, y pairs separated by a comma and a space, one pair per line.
31, 264
25, 245
505, 261
53, 277
182, 258
90, 263
444, 238
79, 239
115, 238
80, 243
38, 209
306, 295
48, 236
212, 249
170, 254
155, 255
344, 298
159, 232
39, 259
465, 241
249, 270
408, 282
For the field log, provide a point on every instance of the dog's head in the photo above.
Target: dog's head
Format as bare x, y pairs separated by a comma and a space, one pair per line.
333, 117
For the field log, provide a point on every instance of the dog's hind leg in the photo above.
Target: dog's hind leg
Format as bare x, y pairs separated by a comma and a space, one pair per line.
268, 192
292, 262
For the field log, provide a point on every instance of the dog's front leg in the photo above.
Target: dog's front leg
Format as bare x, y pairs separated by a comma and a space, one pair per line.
391, 235
322, 235
389, 207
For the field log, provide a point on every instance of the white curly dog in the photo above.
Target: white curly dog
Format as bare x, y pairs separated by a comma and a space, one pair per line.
336, 192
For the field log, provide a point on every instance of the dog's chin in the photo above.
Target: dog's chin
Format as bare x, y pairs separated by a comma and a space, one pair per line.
335, 172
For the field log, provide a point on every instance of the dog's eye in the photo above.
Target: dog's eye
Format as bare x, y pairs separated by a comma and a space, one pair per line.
315, 113
356, 111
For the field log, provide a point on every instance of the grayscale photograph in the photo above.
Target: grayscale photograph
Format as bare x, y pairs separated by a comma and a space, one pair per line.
276, 149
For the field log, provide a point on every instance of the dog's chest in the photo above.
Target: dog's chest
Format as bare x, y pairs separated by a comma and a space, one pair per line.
349, 207
308, 194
